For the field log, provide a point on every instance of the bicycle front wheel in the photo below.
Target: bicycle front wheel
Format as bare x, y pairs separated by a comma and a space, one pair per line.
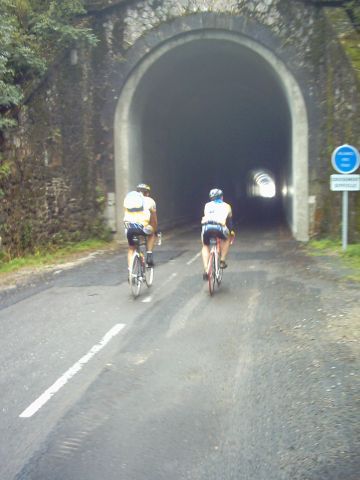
135, 276
211, 273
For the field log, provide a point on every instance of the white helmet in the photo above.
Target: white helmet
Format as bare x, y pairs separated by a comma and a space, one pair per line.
143, 187
215, 193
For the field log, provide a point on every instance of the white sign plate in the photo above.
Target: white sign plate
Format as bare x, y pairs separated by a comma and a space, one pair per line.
343, 182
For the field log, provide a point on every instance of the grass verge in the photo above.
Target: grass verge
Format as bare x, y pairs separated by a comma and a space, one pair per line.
53, 255
350, 258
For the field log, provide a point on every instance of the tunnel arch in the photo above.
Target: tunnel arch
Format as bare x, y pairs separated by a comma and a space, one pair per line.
128, 135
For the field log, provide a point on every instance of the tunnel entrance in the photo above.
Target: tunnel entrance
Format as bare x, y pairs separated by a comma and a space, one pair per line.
204, 111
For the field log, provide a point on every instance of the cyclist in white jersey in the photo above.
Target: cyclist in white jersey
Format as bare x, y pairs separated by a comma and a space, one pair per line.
140, 218
217, 220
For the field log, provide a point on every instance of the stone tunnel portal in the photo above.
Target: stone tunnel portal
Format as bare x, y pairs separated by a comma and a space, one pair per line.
204, 113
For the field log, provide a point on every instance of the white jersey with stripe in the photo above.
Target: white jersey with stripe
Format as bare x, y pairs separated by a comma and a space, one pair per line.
143, 216
216, 212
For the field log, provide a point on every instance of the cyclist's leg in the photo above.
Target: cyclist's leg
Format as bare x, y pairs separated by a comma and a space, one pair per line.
150, 242
130, 232
131, 250
205, 251
225, 245
148, 264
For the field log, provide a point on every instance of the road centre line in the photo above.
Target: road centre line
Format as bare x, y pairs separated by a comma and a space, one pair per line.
193, 258
60, 382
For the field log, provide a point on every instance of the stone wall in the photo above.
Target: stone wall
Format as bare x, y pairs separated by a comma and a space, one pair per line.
340, 123
57, 169
53, 192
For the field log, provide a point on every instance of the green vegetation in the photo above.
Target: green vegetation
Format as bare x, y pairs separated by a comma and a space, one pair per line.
351, 44
52, 256
32, 34
348, 31
350, 258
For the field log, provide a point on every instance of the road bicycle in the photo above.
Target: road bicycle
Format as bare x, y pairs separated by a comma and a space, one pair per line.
214, 270
139, 273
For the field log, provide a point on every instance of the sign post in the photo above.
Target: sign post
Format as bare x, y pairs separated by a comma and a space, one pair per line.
345, 216
345, 160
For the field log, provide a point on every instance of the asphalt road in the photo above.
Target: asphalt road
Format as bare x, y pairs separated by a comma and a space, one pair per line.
258, 382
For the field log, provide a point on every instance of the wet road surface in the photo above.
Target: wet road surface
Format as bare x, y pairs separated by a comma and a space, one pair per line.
258, 382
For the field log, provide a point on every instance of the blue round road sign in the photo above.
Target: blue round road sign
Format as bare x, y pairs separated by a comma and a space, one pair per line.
345, 159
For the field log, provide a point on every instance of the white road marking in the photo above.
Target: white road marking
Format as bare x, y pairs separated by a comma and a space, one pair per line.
193, 259
173, 275
60, 382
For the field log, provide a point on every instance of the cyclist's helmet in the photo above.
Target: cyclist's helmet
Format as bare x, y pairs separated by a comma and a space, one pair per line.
143, 187
215, 193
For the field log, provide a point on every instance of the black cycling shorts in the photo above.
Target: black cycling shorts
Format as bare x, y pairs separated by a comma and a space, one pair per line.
135, 230
213, 230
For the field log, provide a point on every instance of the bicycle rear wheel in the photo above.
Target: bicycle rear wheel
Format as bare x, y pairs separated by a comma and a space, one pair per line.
149, 275
218, 270
211, 273
219, 275
135, 276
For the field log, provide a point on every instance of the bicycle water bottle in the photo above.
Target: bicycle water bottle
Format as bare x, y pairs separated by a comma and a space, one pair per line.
159, 238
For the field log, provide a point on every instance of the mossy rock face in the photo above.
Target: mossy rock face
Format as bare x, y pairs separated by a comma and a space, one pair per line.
348, 36
343, 125
351, 44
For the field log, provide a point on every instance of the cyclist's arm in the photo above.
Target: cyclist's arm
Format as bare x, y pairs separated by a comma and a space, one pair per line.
153, 215
153, 220
229, 221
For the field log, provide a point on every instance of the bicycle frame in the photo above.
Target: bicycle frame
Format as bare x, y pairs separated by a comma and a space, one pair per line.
139, 271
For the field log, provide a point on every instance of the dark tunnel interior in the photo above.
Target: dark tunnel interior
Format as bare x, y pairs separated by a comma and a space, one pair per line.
209, 112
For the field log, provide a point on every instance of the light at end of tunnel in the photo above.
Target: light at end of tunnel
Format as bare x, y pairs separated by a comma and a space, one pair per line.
261, 183
267, 190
